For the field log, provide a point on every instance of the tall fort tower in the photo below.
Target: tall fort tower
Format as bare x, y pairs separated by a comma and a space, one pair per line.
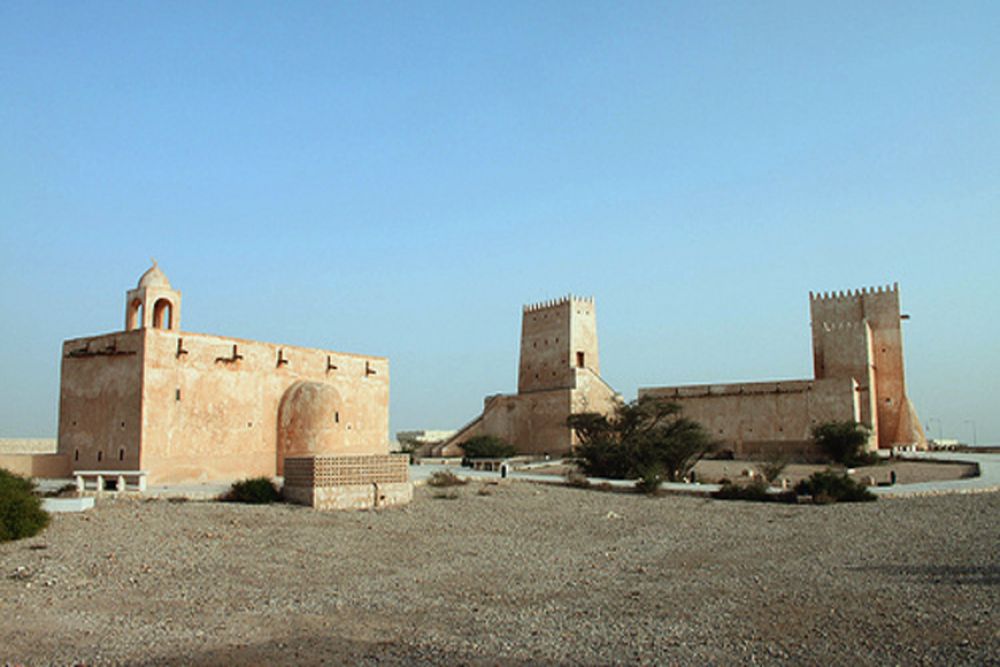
557, 337
857, 334
558, 375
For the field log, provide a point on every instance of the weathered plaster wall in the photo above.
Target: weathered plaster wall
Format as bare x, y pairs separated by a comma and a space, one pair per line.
28, 445
558, 374
36, 465
535, 423
751, 417
100, 401
545, 339
584, 351
212, 416
592, 393
353, 497
837, 322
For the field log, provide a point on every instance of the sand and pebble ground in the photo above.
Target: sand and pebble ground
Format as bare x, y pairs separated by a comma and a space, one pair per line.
513, 574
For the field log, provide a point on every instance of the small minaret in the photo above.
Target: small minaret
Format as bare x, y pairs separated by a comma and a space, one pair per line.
557, 337
153, 304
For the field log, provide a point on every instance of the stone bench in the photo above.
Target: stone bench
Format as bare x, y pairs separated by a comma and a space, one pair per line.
121, 478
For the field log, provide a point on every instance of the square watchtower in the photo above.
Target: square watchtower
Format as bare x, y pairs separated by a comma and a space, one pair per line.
557, 337
858, 334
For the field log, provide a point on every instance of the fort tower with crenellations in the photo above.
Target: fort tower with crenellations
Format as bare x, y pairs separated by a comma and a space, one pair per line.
557, 337
858, 334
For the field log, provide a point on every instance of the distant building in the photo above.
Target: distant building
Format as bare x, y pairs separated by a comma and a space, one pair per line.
420, 442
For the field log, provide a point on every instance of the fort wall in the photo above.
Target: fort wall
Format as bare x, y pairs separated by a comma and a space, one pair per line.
751, 418
556, 337
858, 334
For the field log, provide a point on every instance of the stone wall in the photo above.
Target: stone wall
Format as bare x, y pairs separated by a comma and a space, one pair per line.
47, 466
751, 418
354, 497
558, 374
212, 403
348, 482
28, 446
195, 407
100, 401
858, 334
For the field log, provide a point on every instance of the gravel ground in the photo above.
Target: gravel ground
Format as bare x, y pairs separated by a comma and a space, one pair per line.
528, 574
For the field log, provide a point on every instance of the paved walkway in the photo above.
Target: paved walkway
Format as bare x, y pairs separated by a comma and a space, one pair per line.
988, 479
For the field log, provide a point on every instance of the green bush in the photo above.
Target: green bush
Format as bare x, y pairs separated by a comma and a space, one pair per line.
21, 513
487, 447
830, 486
650, 479
771, 465
756, 491
445, 478
256, 491
577, 479
843, 442
638, 438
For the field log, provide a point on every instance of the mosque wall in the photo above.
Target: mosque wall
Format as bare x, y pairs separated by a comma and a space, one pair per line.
187, 407
212, 405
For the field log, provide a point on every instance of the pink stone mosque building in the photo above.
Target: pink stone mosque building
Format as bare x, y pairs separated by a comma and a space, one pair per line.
187, 407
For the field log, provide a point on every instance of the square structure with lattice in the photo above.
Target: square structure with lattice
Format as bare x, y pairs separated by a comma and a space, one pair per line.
331, 482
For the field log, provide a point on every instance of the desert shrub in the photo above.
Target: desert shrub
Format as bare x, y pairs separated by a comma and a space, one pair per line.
771, 465
64, 491
843, 442
639, 437
256, 491
830, 486
756, 491
577, 479
444, 478
650, 479
487, 447
21, 513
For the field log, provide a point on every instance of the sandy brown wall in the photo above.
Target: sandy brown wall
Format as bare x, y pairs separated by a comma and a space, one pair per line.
100, 398
545, 339
209, 416
36, 465
583, 336
747, 417
839, 322
535, 423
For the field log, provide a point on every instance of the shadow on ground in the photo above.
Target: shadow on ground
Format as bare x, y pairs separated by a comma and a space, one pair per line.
328, 650
977, 575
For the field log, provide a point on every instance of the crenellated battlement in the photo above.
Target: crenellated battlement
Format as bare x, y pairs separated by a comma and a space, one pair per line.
853, 294
561, 301
844, 325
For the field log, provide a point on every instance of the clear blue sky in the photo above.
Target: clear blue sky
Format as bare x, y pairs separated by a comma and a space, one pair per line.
398, 178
